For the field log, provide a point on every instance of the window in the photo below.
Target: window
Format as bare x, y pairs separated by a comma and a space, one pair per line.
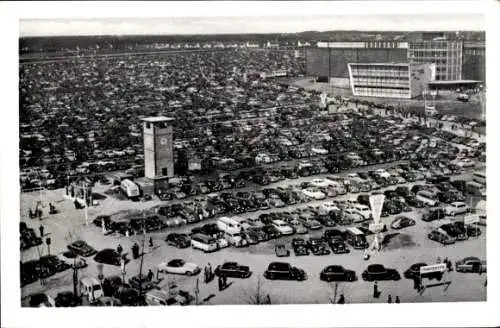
164, 171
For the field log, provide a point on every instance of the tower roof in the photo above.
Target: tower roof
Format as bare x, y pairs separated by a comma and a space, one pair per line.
156, 119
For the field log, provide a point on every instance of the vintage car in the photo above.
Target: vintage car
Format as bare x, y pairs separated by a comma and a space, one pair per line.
281, 250
379, 272
81, 248
284, 271
178, 240
337, 273
470, 264
179, 266
232, 270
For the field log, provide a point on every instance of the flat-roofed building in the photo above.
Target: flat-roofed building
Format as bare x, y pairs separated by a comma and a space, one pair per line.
447, 55
390, 80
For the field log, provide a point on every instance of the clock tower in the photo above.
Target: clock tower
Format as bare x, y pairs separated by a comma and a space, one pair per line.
158, 148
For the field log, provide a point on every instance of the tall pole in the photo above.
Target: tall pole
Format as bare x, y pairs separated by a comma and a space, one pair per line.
142, 256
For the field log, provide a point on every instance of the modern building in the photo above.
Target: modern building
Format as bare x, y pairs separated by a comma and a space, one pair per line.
474, 61
330, 59
158, 150
390, 80
455, 59
447, 55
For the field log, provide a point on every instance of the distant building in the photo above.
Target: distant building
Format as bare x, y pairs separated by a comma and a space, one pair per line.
447, 55
390, 80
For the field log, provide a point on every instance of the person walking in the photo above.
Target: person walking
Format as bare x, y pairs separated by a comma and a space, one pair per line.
397, 300
389, 299
150, 275
210, 275
376, 293
41, 229
205, 273
341, 299
220, 283
151, 242
119, 249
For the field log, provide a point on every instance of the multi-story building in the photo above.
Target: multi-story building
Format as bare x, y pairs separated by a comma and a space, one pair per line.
447, 55
474, 61
390, 80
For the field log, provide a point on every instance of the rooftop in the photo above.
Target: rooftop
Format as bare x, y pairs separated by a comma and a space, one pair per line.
158, 119
455, 82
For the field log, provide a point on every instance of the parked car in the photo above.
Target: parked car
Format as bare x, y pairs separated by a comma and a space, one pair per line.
333, 235
271, 231
338, 247
178, 240
108, 256
81, 248
337, 273
283, 227
232, 270
456, 208
102, 218
284, 271
379, 272
300, 247
179, 266
312, 224
455, 231
317, 246
141, 282
414, 271
436, 214
281, 250
402, 222
441, 237
67, 299
470, 264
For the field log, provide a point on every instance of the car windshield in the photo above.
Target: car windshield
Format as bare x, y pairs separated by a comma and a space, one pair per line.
334, 268
376, 268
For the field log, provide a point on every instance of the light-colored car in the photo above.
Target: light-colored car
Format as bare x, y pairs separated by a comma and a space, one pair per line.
328, 207
470, 264
314, 194
363, 210
235, 239
456, 208
283, 227
179, 266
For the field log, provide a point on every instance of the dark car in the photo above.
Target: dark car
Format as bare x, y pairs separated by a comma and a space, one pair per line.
337, 273
67, 299
53, 263
317, 246
472, 231
338, 247
299, 246
436, 214
402, 222
232, 270
414, 271
178, 240
81, 248
128, 296
102, 218
455, 231
441, 236
333, 234
108, 256
326, 220
284, 271
141, 282
271, 231
414, 201
379, 272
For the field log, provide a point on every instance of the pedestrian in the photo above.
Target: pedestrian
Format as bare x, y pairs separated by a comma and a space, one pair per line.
341, 299
389, 299
268, 299
150, 275
210, 273
151, 242
485, 282
39, 213
397, 300
205, 273
375, 290
41, 228
119, 249
220, 283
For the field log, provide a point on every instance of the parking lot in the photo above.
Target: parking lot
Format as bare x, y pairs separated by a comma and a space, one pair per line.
406, 247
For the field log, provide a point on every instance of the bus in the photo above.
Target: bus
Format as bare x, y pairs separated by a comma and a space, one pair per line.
479, 177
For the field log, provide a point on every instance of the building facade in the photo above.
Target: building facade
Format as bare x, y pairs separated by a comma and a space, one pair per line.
158, 148
447, 55
389, 80
454, 59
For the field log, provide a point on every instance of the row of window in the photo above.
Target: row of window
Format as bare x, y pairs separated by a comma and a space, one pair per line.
382, 83
379, 92
380, 72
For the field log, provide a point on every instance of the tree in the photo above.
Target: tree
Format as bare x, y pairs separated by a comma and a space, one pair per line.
257, 296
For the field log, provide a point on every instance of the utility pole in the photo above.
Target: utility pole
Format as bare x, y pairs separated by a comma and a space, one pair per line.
142, 254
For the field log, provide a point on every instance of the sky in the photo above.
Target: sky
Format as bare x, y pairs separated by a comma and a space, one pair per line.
230, 25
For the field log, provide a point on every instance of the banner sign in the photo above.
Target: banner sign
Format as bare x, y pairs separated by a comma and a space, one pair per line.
470, 219
376, 204
441, 267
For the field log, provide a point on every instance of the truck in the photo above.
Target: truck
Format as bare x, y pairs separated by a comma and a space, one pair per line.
130, 189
